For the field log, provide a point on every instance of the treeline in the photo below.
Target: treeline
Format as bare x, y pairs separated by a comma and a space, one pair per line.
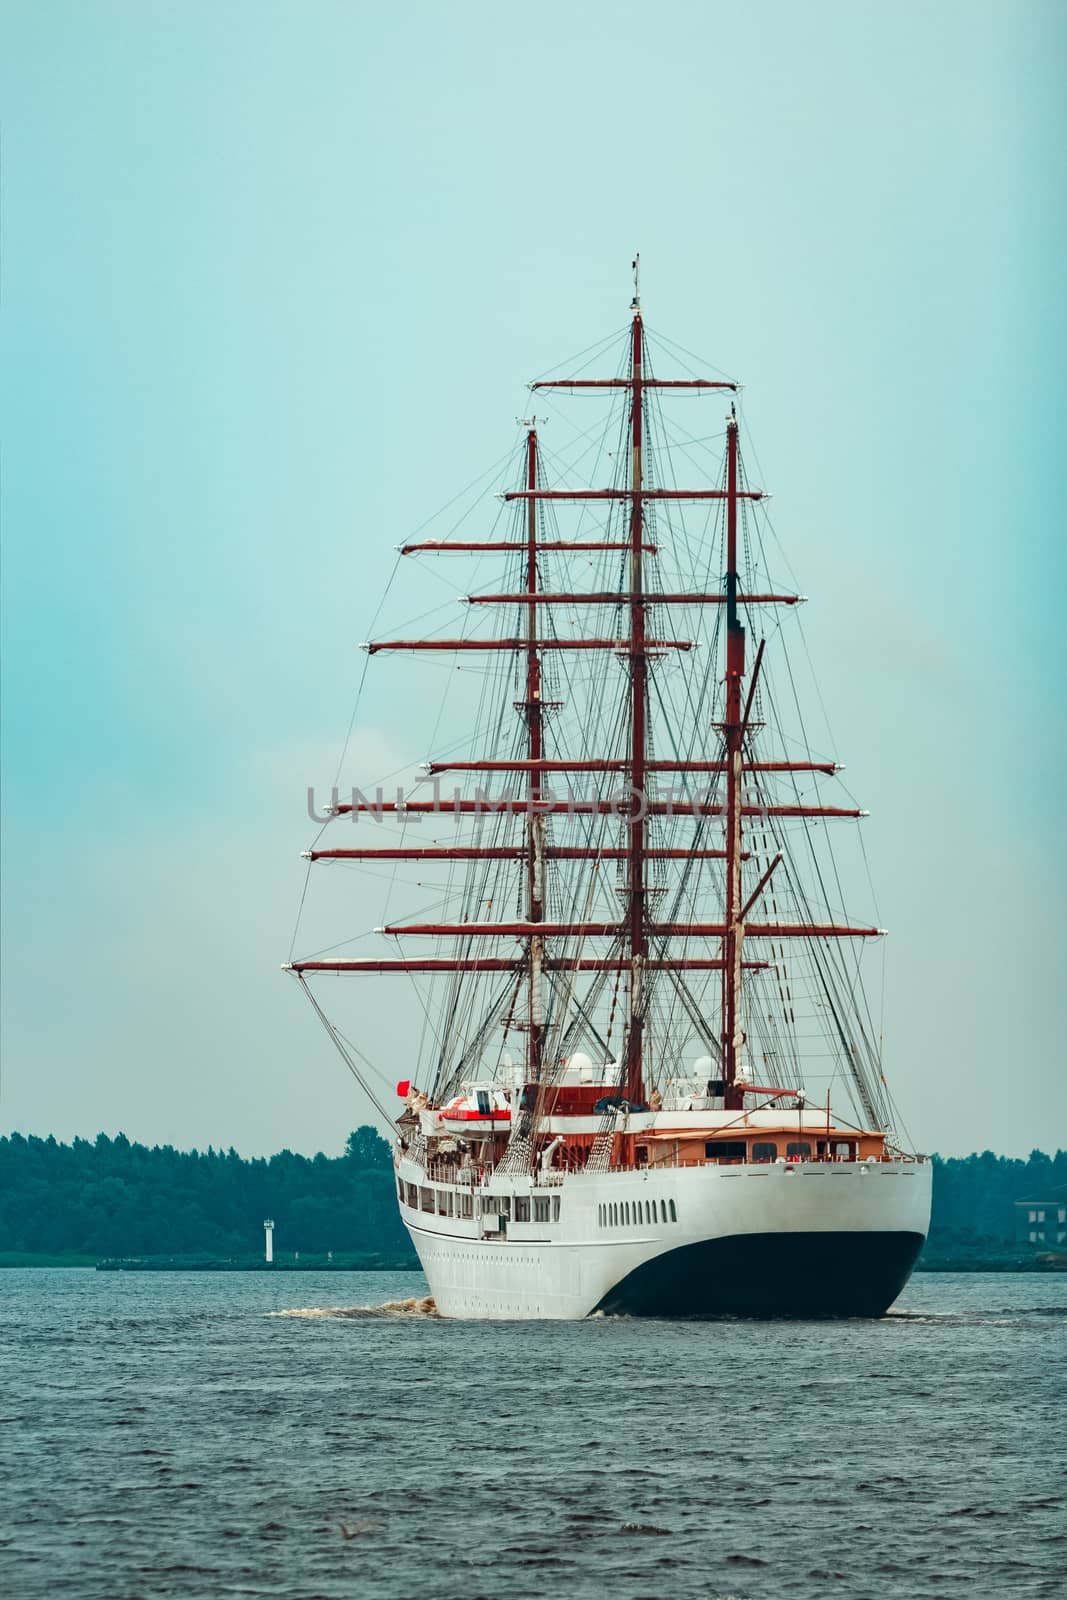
109, 1197
974, 1195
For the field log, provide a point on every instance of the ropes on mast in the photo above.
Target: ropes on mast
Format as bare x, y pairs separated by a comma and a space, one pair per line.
817, 986
345, 1050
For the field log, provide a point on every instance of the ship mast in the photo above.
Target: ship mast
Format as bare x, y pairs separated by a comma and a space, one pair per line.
734, 734
636, 918
534, 711
634, 929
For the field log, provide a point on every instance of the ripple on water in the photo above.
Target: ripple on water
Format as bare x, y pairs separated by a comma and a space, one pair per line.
409, 1454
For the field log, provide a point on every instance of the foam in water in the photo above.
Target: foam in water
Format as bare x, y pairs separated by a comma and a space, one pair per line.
389, 1308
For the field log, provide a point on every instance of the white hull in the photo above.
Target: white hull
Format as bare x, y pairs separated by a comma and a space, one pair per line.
806, 1238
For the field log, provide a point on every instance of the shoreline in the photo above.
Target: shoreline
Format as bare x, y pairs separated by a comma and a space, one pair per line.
42, 1262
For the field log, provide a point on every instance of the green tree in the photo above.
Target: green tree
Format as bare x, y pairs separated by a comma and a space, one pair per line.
365, 1147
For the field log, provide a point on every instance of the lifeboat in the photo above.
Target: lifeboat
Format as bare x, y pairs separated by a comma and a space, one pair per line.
481, 1108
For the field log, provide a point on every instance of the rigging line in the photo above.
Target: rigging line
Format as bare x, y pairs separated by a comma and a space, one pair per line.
572, 972
565, 466
449, 678
669, 426
881, 1017
769, 522
428, 1021
583, 1018
672, 426
477, 881
379, 1074
300, 909
304, 891
340, 945
363, 675
824, 973
497, 464
815, 681
475, 1044
593, 438
661, 338
347, 1058
696, 1016
501, 510
591, 350
799, 901
420, 1052
405, 623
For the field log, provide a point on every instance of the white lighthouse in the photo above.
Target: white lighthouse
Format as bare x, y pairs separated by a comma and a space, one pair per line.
268, 1239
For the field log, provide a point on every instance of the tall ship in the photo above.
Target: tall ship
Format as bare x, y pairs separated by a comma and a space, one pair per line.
649, 1080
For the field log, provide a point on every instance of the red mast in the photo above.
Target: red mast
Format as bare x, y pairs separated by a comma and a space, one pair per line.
535, 860
734, 733
637, 938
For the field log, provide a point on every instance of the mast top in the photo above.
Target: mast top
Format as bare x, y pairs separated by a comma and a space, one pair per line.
635, 303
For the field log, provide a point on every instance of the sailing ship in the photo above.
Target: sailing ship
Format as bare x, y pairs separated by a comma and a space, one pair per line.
651, 1083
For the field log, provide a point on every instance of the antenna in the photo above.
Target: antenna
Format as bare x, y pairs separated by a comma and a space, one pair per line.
635, 303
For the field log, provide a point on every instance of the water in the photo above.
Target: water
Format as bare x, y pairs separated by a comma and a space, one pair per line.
165, 1434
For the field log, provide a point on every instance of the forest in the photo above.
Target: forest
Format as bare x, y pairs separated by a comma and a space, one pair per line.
112, 1198
108, 1198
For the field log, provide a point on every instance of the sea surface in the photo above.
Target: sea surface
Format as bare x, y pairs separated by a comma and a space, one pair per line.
312, 1437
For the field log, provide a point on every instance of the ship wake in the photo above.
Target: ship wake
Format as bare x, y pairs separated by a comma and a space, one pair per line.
424, 1307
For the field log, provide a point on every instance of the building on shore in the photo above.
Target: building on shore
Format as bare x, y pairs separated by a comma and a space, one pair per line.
1041, 1219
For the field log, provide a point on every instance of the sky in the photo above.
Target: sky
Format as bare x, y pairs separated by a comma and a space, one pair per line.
273, 279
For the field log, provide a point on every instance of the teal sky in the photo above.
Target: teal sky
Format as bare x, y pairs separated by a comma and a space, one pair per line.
273, 279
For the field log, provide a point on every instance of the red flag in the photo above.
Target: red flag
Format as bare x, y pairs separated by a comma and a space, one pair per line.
403, 1087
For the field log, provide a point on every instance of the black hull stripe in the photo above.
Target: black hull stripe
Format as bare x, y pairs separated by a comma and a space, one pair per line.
770, 1275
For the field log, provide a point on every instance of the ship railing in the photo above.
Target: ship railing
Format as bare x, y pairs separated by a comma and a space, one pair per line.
466, 1177
481, 1177
672, 1161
